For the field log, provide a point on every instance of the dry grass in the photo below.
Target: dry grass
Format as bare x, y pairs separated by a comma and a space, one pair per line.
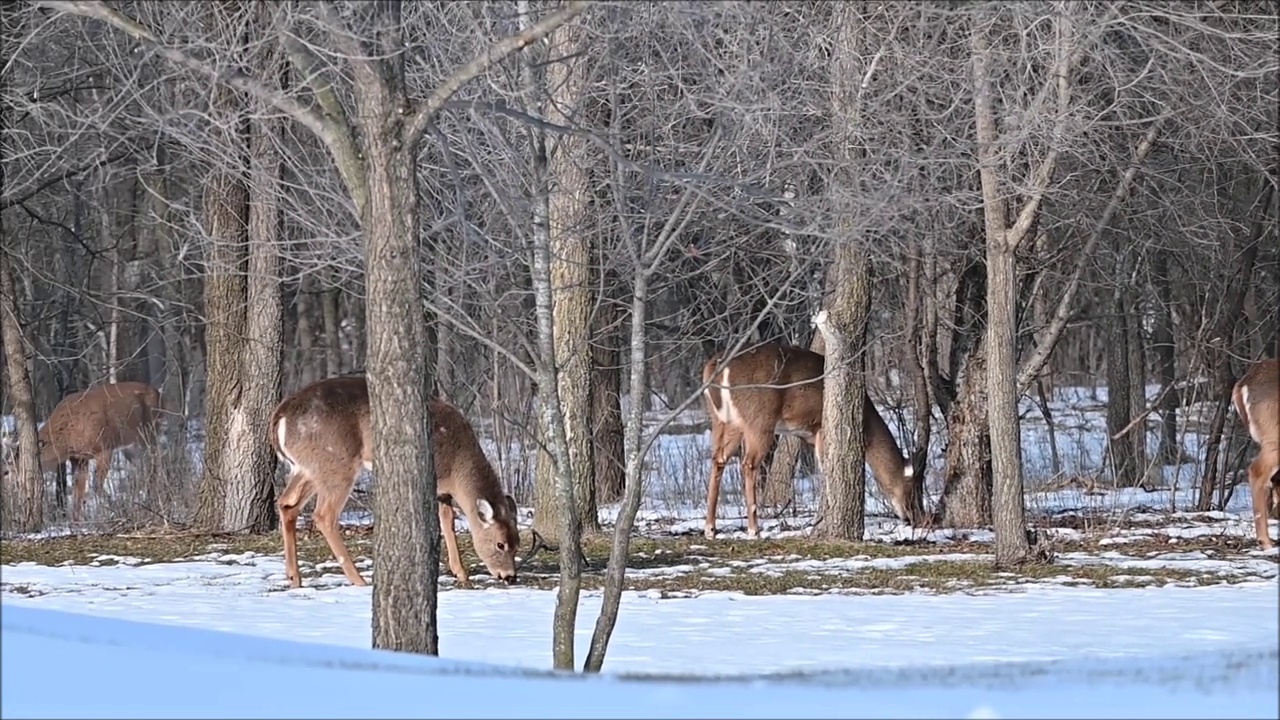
671, 566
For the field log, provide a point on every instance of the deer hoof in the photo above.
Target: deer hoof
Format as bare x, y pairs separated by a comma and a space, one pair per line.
709, 533
753, 534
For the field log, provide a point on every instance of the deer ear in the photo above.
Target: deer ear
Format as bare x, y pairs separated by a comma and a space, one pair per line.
511, 505
484, 512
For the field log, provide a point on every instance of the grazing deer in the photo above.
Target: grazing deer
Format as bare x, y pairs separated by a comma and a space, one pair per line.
1257, 400
776, 389
91, 425
324, 432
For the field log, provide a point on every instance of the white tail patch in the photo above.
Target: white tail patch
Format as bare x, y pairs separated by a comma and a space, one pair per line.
282, 431
1255, 427
907, 470
730, 413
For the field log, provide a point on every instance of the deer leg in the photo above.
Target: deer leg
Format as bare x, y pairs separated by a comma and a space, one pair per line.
103, 466
753, 455
325, 517
819, 442
451, 545
80, 470
296, 492
724, 443
1260, 472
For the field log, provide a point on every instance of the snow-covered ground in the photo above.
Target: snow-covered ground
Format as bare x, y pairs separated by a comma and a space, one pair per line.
714, 633
1185, 624
59, 665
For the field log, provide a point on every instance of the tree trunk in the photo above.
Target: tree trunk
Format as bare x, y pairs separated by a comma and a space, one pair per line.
23, 503
843, 393
22, 497
569, 224
1007, 503
843, 324
243, 343
304, 333
560, 276
1012, 545
1235, 284
225, 207
406, 544
1124, 466
332, 335
1135, 356
606, 403
966, 493
1162, 344
921, 354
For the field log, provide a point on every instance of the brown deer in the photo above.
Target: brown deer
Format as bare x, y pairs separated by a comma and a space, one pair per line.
91, 425
1257, 400
776, 389
324, 432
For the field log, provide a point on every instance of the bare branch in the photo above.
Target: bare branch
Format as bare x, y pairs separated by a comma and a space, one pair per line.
339, 136
1066, 55
428, 109
10, 200
1048, 338
98, 10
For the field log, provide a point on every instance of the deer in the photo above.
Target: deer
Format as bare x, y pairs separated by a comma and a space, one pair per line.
776, 389
323, 432
1256, 396
91, 425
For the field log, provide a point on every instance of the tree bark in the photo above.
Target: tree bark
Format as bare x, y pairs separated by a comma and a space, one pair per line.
843, 457
406, 545
1162, 345
1120, 448
225, 207
22, 503
1003, 238
332, 332
305, 364
569, 222
243, 316
966, 495
606, 402
560, 276
23, 507
843, 325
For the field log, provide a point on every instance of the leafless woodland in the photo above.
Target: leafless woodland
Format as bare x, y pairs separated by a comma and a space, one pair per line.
542, 210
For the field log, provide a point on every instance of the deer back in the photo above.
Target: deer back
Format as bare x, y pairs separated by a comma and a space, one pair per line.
772, 386
325, 429
1257, 400
101, 418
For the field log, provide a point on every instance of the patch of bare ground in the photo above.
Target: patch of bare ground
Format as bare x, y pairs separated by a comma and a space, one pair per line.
683, 565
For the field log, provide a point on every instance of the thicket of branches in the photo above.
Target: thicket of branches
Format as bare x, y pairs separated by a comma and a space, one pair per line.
990, 199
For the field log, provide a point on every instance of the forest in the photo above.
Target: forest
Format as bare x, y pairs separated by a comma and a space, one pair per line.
552, 214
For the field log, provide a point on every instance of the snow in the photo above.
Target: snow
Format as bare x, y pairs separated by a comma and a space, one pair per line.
122, 668
689, 636
219, 634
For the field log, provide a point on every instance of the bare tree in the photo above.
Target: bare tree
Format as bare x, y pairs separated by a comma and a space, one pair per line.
243, 314
23, 508
843, 325
560, 80
377, 162
1003, 239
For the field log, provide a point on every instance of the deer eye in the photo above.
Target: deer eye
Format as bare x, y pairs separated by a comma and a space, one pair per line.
502, 547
